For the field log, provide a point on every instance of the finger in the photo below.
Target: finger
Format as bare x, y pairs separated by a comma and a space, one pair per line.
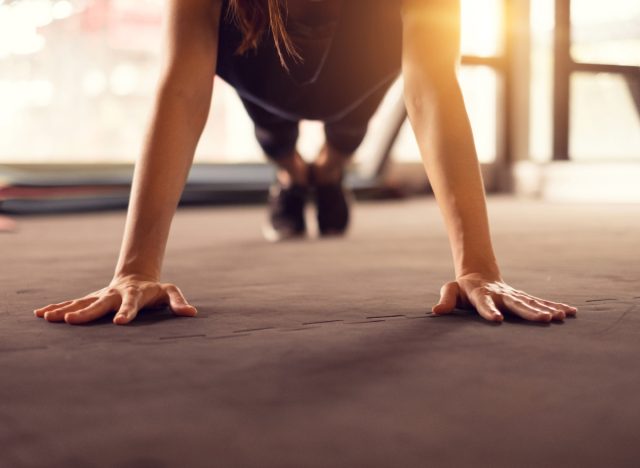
98, 309
526, 311
128, 309
178, 303
57, 315
487, 308
448, 299
569, 310
556, 311
42, 310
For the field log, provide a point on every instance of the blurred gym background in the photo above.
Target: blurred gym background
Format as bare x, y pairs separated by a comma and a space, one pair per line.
553, 89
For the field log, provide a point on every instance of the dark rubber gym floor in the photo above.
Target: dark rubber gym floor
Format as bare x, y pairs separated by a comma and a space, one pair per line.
320, 353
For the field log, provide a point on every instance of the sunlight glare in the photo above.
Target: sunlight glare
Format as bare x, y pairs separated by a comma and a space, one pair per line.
481, 27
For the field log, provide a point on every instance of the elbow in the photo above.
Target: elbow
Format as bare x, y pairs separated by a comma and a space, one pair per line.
194, 101
427, 88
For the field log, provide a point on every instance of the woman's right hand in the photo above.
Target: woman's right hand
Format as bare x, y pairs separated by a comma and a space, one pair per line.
125, 296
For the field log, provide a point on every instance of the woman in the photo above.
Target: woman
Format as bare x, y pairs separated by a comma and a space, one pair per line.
328, 60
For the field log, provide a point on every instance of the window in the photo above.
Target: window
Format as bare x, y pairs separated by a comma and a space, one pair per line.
605, 121
77, 79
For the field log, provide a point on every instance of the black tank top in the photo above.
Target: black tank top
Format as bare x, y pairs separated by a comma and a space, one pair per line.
349, 49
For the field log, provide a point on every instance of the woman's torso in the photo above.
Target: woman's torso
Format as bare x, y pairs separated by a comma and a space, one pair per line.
349, 51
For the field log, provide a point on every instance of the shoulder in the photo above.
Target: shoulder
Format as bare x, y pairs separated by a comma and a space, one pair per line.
194, 10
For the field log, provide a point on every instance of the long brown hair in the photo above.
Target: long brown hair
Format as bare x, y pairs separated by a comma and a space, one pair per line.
254, 17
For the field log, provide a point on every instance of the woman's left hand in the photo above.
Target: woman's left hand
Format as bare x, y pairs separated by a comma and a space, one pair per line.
492, 298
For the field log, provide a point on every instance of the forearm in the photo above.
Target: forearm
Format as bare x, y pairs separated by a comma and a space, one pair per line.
158, 182
439, 119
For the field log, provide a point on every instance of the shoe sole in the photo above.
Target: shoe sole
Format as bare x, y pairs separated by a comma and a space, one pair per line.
272, 235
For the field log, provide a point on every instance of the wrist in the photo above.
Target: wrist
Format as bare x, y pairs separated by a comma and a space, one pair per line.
481, 275
121, 276
487, 269
140, 269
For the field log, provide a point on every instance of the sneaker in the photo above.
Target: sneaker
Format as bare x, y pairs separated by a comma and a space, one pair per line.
333, 202
286, 212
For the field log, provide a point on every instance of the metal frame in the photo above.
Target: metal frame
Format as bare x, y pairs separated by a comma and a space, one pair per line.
204, 183
564, 67
502, 65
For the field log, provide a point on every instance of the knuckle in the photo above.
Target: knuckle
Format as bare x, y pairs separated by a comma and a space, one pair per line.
111, 291
449, 286
545, 317
127, 306
178, 298
170, 288
519, 302
131, 289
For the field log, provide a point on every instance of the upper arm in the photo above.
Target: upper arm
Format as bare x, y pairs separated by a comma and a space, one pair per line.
431, 36
191, 45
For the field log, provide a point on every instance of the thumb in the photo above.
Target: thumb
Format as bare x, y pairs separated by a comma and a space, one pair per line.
178, 303
448, 299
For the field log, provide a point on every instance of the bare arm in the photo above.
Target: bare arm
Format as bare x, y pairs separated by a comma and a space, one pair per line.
441, 125
180, 112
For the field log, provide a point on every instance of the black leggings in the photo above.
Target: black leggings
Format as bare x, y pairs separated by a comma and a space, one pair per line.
342, 88
278, 135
